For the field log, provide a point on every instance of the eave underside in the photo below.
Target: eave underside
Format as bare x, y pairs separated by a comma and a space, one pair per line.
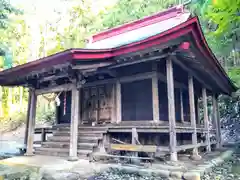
93, 70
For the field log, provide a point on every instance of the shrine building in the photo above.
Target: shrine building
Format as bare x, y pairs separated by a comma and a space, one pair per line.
136, 87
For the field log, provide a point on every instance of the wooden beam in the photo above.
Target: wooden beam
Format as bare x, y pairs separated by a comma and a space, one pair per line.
32, 116
192, 113
190, 71
206, 120
127, 63
91, 66
177, 84
64, 87
74, 125
118, 102
171, 111
136, 77
53, 77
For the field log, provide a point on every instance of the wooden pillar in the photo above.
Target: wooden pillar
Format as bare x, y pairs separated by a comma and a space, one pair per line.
192, 113
171, 111
74, 124
27, 122
206, 121
31, 121
113, 112
118, 102
219, 124
216, 120
155, 98
181, 106
135, 139
198, 112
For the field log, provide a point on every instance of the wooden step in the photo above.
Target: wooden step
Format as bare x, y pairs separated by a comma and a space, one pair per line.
59, 138
83, 128
82, 133
88, 139
52, 144
62, 152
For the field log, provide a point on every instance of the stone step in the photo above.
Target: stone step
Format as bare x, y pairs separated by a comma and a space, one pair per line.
52, 144
47, 153
81, 139
60, 151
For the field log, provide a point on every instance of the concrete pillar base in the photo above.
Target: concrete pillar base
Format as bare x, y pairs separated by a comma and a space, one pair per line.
196, 157
173, 156
72, 158
29, 154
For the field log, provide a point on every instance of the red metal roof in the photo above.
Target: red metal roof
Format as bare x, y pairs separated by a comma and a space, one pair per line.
158, 17
191, 26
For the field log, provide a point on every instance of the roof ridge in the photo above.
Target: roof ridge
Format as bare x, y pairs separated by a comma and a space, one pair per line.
148, 20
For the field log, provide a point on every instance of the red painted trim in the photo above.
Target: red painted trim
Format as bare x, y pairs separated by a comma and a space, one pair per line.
191, 26
69, 55
161, 16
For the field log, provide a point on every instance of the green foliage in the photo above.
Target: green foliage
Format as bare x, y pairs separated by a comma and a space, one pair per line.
6, 9
234, 74
128, 10
11, 123
45, 114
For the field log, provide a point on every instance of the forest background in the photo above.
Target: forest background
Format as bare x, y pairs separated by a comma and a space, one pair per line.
32, 29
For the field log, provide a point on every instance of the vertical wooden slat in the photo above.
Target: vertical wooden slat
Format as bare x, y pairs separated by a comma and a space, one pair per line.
215, 120
32, 115
192, 113
181, 106
171, 110
206, 121
118, 102
155, 98
74, 125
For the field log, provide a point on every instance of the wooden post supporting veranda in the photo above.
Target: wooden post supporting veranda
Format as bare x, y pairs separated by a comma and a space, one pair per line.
118, 102
216, 120
27, 122
171, 111
74, 124
181, 106
113, 102
206, 121
155, 97
192, 115
31, 121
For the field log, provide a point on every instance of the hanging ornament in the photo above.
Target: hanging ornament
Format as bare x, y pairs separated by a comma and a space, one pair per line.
64, 103
57, 100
